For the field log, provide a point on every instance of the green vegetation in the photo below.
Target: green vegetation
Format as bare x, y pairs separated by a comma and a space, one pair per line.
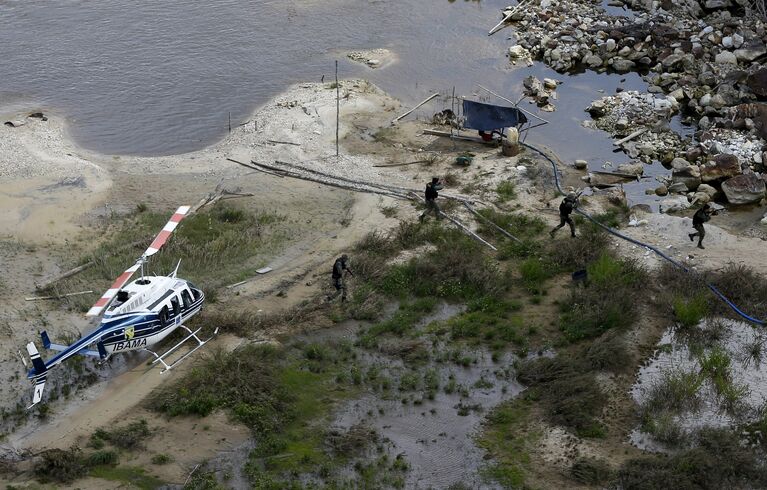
132, 476
217, 247
689, 312
506, 191
610, 299
507, 438
718, 460
591, 471
130, 436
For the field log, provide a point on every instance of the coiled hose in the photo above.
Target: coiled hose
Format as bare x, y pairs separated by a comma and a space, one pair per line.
657, 251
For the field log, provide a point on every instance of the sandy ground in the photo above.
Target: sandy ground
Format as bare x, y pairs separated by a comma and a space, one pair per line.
68, 203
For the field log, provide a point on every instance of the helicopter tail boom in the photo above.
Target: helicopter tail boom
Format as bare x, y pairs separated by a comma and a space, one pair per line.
38, 374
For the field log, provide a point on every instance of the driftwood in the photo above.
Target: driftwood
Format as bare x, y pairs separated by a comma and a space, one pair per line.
400, 164
257, 167
60, 296
620, 174
630, 137
278, 142
504, 232
394, 121
388, 188
506, 18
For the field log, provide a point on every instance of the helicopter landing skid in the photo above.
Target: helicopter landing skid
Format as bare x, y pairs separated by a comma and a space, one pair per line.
192, 335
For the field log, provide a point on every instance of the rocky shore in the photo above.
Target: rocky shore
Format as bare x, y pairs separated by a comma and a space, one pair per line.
703, 63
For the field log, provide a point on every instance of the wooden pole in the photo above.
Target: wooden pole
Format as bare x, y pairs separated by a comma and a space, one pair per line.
230, 121
506, 18
338, 106
394, 121
38, 298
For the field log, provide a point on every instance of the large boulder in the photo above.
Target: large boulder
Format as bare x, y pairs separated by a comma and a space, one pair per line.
722, 166
744, 189
631, 168
726, 57
674, 204
689, 176
757, 82
750, 52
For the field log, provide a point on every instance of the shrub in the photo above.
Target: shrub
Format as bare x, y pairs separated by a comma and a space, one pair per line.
690, 312
506, 191
161, 459
100, 458
591, 471
60, 465
534, 272
576, 253
129, 436
609, 353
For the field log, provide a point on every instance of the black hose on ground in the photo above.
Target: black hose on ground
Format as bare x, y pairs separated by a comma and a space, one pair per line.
657, 251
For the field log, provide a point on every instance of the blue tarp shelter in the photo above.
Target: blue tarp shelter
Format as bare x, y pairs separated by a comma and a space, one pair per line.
487, 117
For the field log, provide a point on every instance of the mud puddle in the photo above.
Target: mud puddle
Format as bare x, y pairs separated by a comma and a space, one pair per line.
433, 409
747, 373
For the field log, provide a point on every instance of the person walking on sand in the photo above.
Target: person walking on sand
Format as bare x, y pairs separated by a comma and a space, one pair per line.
568, 205
340, 267
431, 196
701, 216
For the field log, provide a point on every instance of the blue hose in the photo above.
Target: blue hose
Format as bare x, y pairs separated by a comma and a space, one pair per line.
614, 232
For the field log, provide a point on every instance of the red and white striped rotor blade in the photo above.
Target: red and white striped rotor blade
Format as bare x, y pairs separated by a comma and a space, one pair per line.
97, 308
157, 243
171, 225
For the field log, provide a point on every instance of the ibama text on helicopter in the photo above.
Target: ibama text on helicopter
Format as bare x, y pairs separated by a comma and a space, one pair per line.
135, 316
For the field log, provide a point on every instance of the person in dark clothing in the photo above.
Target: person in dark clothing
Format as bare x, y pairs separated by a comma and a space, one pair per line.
569, 203
340, 267
701, 216
431, 196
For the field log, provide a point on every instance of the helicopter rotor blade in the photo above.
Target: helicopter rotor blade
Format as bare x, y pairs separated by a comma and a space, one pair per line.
155, 247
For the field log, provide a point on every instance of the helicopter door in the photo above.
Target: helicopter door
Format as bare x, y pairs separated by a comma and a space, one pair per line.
164, 316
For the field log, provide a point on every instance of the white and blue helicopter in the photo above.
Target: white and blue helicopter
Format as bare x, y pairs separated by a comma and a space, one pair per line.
137, 316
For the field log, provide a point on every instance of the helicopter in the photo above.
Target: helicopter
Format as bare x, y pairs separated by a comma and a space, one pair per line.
136, 316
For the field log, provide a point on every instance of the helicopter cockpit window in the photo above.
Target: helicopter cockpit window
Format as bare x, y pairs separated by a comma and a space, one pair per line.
174, 304
186, 298
195, 291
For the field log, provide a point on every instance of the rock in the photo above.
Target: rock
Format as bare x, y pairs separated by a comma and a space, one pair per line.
677, 94
593, 61
711, 191
550, 83
674, 204
727, 42
750, 52
744, 189
640, 209
622, 65
679, 163
373, 62
717, 4
726, 57
622, 124
673, 62
15, 124
757, 82
610, 45
556, 54
661, 190
700, 198
631, 168
678, 188
720, 167
597, 109
737, 40
581, 164
517, 52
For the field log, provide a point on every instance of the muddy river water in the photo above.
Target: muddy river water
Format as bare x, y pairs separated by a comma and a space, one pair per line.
153, 78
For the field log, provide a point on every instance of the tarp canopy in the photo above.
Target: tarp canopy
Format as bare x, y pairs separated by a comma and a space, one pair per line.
487, 117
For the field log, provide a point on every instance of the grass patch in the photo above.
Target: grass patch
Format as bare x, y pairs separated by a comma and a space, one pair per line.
129, 437
134, 477
506, 191
591, 471
718, 460
689, 312
508, 440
